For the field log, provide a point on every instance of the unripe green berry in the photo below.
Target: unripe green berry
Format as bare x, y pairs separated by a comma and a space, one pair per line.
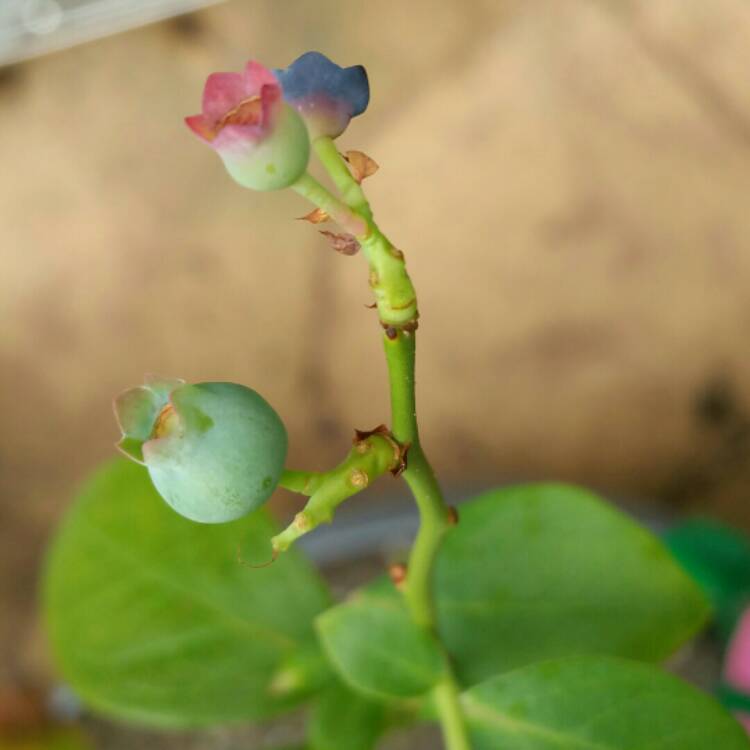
214, 451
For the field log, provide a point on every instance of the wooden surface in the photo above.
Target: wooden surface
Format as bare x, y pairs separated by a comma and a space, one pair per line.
569, 181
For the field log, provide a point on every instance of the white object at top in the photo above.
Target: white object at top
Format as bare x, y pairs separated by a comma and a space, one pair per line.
33, 27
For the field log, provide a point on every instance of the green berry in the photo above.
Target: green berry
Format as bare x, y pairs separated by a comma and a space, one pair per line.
214, 451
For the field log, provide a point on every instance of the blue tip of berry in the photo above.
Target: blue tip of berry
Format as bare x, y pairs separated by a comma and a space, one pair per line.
313, 74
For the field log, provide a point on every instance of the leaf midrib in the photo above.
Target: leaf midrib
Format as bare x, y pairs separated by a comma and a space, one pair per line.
487, 715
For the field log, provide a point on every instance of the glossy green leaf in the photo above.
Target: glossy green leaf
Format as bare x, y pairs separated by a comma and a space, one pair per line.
342, 719
376, 648
596, 703
544, 571
153, 617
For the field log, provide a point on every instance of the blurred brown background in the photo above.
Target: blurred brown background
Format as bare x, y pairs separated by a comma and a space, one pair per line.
569, 181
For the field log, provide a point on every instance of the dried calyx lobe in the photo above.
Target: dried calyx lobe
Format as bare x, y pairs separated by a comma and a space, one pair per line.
214, 451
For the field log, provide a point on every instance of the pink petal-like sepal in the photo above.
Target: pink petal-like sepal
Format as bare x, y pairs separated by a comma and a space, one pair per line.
256, 76
735, 691
201, 127
262, 141
222, 92
325, 94
737, 660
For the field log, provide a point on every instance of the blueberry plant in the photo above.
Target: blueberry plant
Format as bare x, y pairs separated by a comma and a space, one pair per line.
533, 619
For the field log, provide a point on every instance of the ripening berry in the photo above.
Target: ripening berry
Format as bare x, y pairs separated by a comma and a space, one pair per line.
325, 94
262, 141
215, 451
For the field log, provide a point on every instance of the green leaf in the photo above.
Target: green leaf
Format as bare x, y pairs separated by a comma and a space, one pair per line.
544, 571
153, 617
376, 648
51, 739
718, 557
596, 703
342, 719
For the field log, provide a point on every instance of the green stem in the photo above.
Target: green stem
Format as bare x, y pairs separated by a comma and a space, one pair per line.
400, 350
351, 191
394, 292
395, 296
301, 482
434, 517
448, 706
369, 459
397, 308
310, 188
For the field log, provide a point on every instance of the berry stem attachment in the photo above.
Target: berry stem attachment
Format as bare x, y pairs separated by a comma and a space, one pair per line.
368, 460
351, 191
395, 297
301, 482
308, 187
